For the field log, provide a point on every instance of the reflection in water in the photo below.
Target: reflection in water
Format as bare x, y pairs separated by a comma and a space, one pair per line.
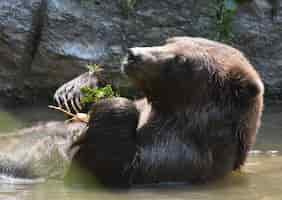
13, 119
5, 179
8, 122
260, 179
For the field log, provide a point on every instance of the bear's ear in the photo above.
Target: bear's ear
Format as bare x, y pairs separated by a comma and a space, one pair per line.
247, 89
254, 88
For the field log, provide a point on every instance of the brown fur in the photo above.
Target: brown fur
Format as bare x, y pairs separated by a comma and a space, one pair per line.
200, 118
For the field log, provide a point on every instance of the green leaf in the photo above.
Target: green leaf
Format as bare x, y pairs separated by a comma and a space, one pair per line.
92, 95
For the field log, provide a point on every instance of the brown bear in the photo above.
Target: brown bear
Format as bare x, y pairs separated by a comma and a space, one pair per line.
199, 119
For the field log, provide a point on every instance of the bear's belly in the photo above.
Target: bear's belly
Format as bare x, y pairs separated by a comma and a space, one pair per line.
171, 161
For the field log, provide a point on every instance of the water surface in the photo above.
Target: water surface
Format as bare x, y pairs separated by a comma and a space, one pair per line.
261, 178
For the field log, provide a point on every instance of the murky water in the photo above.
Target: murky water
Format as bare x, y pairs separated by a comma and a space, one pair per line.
261, 178
14, 119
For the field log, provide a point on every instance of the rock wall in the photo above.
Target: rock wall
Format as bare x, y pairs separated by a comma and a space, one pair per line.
44, 43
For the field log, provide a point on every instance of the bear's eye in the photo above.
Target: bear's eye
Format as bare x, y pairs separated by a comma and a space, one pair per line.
173, 65
178, 59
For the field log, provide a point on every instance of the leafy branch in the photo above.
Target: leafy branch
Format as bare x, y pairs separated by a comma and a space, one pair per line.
92, 95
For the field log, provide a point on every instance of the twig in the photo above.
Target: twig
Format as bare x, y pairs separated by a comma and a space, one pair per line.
62, 110
78, 117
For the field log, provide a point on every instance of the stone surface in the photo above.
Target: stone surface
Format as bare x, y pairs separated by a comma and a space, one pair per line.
44, 43
17, 31
71, 37
258, 33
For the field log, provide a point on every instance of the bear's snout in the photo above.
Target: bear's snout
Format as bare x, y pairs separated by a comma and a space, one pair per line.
132, 60
133, 56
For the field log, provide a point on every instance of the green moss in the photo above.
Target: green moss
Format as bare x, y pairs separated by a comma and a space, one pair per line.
127, 6
225, 12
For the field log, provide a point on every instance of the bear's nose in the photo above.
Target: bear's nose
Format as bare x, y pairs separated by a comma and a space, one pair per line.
133, 56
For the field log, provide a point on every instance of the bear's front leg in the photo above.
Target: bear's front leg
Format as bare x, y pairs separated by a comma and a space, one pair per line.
107, 148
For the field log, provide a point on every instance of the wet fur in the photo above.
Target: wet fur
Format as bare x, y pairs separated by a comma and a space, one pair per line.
200, 118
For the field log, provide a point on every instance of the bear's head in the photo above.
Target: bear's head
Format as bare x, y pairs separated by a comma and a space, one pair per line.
188, 70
